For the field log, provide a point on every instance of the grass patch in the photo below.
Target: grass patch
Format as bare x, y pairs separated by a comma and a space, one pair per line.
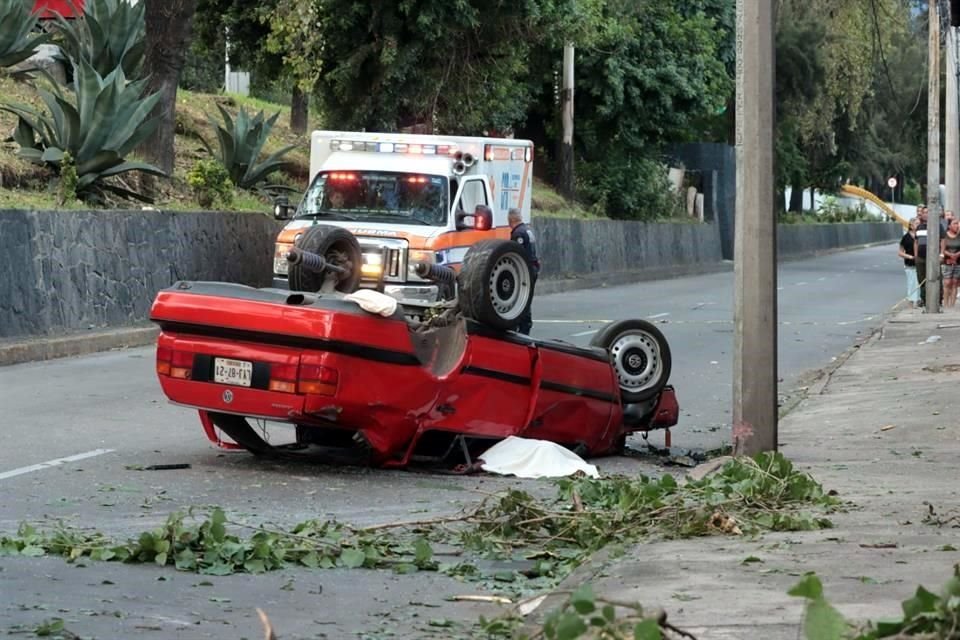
548, 203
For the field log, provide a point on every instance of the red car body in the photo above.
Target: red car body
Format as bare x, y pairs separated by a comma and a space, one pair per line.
322, 363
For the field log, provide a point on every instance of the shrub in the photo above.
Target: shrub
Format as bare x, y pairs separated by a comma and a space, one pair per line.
99, 126
628, 187
210, 183
110, 35
17, 38
240, 144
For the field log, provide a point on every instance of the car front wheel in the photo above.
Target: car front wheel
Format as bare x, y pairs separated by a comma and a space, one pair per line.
640, 356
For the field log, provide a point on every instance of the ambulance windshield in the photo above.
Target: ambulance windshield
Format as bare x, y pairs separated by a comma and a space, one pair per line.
377, 196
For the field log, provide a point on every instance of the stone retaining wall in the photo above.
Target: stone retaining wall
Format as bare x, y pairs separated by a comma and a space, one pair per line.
71, 271
77, 270
578, 247
806, 239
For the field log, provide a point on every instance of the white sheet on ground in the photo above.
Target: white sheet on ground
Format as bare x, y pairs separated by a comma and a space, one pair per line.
373, 301
527, 458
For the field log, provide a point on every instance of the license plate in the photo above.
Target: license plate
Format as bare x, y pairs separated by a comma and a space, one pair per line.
235, 372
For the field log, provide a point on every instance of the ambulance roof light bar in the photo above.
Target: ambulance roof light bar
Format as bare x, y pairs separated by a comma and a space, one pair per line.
394, 147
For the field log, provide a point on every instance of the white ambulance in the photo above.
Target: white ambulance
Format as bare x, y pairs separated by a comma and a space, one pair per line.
400, 195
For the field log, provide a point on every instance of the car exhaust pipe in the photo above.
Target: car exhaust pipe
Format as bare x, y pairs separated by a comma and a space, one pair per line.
435, 272
311, 261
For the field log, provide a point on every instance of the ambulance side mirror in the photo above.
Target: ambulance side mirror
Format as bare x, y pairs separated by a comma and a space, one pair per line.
479, 221
464, 220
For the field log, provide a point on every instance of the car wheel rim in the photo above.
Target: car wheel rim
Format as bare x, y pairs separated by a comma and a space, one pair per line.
509, 287
637, 360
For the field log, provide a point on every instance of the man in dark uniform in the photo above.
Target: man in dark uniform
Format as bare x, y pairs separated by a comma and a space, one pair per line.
523, 235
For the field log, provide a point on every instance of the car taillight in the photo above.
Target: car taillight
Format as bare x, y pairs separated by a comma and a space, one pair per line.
174, 363
283, 377
313, 379
318, 380
164, 356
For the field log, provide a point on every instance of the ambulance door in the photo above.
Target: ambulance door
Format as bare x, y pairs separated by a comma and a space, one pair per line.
473, 191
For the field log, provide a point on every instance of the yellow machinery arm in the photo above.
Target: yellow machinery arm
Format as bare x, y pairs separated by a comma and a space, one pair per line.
851, 190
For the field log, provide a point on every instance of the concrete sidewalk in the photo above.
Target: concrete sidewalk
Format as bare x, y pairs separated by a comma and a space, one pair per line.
883, 431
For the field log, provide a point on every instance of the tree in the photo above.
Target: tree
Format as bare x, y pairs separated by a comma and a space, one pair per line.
651, 78
254, 46
830, 55
430, 64
168, 37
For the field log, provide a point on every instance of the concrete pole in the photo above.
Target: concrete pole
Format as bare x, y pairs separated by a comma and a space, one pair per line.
755, 248
951, 127
933, 162
567, 175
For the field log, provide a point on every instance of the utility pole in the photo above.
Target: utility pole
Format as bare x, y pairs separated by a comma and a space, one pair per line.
755, 248
951, 126
952, 122
933, 161
566, 147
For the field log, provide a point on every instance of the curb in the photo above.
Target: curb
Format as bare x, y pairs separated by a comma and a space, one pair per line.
49, 348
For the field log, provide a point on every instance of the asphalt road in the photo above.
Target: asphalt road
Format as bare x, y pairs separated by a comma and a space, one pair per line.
106, 415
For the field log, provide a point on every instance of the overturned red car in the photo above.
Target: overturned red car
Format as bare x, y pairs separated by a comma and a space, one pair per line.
391, 389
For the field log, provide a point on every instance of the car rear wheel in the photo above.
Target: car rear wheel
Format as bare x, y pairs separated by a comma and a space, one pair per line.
640, 356
241, 432
496, 287
338, 247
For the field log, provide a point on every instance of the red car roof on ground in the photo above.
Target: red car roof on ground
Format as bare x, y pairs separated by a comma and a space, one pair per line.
52, 7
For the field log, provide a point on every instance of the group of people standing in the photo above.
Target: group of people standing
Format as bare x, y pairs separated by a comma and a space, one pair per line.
913, 249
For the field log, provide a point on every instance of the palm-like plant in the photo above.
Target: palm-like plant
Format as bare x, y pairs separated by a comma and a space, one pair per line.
240, 144
98, 126
17, 40
111, 34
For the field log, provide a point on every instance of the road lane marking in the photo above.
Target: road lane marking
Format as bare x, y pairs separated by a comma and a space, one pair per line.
657, 315
584, 333
53, 463
575, 321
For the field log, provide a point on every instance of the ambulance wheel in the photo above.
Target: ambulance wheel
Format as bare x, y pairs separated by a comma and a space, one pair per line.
339, 247
640, 357
496, 287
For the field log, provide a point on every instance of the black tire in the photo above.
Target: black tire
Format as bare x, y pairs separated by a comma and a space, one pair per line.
241, 432
327, 240
640, 356
496, 286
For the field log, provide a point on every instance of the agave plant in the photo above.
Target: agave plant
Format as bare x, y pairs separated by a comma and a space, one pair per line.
98, 126
240, 144
17, 40
111, 34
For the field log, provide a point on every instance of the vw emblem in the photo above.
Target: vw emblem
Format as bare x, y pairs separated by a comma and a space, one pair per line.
228, 396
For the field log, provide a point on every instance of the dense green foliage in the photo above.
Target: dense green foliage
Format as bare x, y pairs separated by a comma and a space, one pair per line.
98, 125
649, 74
18, 39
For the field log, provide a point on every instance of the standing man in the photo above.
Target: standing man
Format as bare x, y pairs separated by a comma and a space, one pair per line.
523, 235
920, 255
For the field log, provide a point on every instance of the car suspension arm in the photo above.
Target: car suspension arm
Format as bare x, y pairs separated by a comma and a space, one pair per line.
312, 261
